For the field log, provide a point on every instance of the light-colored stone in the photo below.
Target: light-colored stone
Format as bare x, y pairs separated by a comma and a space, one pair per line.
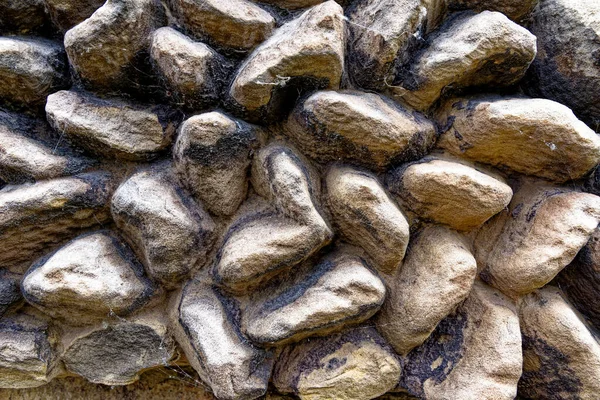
468, 50
517, 10
22, 17
310, 47
206, 325
536, 137
435, 278
352, 365
110, 128
212, 156
10, 291
367, 217
362, 128
450, 193
67, 13
315, 300
94, 277
237, 24
475, 354
170, 233
523, 248
561, 356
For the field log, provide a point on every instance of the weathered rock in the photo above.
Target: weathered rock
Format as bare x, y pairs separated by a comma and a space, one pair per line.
89, 279
264, 241
531, 136
354, 364
28, 152
30, 69
474, 354
27, 352
523, 248
363, 128
367, 217
468, 50
561, 356
237, 24
381, 34
449, 192
317, 300
308, 49
111, 128
102, 48
212, 156
170, 232
22, 17
67, 13
35, 217
566, 68
116, 353
517, 10
192, 71
10, 291
435, 278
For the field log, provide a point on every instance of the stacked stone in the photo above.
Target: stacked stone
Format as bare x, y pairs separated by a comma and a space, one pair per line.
302, 198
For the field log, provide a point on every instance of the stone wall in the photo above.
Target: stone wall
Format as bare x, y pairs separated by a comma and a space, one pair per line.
310, 199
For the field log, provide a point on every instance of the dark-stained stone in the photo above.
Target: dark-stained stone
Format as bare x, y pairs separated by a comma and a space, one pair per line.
10, 291
517, 10
293, 4
354, 364
67, 13
206, 325
22, 17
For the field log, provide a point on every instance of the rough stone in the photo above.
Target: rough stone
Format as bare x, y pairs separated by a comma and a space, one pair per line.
561, 356
367, 217
435, 278
207, 327
236, 24
10, 291
111, 128
212, 156
517, 10
191, 71
169, 231
67, 13
474, 354
566, 68
30, 69
363, 128
37, 216
308, 49
117, 353
318, 299
354, 364
449, 192
104, 46
468, 50
89, 279
536, 137
22, 17
525, 247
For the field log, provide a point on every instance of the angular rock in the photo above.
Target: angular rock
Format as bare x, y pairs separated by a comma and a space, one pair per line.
206, 325
367, 217
468, 50
354, 364
10, 291
363, 128
27, 352
381, 34
314, 55
531, 136
104, 46
89, 279
35, 217
192, 71
449, 192
117, 353
474, 354
236, 24
517, 10
110, 128
524, 248
317, 300
212, 156
170, 233
561, 356
566, 68
67, 13
435, 278
30, 69
22, 17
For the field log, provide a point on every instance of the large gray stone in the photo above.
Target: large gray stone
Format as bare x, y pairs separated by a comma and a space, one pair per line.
67, 13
